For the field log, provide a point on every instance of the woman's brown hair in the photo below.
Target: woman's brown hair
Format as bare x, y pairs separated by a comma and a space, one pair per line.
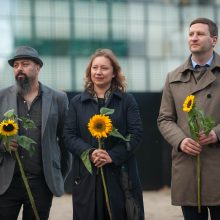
118, 82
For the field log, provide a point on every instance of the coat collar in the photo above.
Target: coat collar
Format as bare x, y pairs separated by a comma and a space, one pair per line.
11, 99
87, 96
46, 102
184, 73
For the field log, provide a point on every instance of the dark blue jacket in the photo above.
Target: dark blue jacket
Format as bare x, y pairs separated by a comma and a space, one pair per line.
126, 119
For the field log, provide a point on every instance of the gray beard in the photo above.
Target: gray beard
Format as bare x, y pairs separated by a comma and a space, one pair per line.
24, 86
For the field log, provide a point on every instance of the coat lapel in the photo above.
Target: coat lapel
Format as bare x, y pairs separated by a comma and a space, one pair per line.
46, 103
206, 80
11, 100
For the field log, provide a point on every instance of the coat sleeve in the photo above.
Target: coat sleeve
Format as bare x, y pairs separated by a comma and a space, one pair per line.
167, 119
66, 157
74, 143
121, 151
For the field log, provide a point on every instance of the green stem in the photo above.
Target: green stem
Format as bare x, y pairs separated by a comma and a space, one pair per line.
198, 184
106, 193
27, 186
104, 186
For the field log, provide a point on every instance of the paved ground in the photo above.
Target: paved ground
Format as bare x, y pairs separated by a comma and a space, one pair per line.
157, 207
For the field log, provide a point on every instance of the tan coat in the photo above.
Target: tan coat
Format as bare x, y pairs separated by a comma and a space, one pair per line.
172, 122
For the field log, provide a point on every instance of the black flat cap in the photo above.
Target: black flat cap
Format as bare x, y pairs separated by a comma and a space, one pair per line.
25, 52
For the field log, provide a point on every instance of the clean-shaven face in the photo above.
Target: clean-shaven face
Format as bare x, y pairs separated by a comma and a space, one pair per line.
200, 40
102, 72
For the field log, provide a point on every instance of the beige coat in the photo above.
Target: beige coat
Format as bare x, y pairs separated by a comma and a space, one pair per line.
172, 122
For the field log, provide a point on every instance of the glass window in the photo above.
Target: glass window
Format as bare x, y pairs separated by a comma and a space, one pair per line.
61, 28
158, 71
43, 19
119, 21
135, 71
81, 64
128, 21
91, 20
6, 43
22, 28
7, 6
56, 72
136, 21
44, 28
43, 9
195, 11
46, 75
137, 74
61, 15
22, 19
150, 37
21, 8
63, 73
154, 39
7, 75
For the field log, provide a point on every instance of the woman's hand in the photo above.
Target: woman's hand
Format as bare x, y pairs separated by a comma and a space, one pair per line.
100, 157
13, 145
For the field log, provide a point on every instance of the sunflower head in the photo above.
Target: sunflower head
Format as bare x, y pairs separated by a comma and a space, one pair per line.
8, 127
100, 126
188, 103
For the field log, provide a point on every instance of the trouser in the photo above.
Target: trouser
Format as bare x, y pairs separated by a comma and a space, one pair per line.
16, 196
191, 212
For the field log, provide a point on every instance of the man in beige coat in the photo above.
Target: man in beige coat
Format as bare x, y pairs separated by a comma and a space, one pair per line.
172, 122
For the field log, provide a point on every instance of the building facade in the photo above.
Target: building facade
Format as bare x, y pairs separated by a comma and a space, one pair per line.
149, 37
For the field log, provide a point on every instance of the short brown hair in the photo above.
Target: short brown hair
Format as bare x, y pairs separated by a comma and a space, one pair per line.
213, 29
118, 82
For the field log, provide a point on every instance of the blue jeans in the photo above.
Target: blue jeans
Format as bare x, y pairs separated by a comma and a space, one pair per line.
16, 196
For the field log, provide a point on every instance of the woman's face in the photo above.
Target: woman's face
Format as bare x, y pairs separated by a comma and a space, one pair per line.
102, 73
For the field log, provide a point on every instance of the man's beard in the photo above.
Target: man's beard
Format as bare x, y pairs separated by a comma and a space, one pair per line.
24, 84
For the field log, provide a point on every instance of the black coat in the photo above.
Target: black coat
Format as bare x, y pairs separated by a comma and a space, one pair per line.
127, 120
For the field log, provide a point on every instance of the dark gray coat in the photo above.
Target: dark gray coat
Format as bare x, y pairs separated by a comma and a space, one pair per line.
56, 159
127, 120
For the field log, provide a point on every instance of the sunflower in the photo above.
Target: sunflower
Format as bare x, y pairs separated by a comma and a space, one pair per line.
100, 126
8, 127
188, 103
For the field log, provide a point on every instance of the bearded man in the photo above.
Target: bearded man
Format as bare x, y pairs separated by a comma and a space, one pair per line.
47, 169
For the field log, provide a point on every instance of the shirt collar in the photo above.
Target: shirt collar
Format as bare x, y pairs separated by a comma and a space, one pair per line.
208, 62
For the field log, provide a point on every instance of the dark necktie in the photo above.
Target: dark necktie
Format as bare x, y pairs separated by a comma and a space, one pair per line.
197, 66
199, 71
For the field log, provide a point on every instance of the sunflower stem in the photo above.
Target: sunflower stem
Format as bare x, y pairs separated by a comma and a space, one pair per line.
198, 183
104, 185
27, 186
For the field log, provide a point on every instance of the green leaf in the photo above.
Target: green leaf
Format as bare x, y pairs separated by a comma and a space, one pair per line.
86, 160
27, 123
193, 126
209, 124
116, 133
26, 143
106, 111
6, 142
198, 122
10, 114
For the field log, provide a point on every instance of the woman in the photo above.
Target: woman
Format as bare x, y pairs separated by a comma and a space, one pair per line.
104, 87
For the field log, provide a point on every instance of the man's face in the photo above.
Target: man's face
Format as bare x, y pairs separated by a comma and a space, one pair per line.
200, 40
26, 74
